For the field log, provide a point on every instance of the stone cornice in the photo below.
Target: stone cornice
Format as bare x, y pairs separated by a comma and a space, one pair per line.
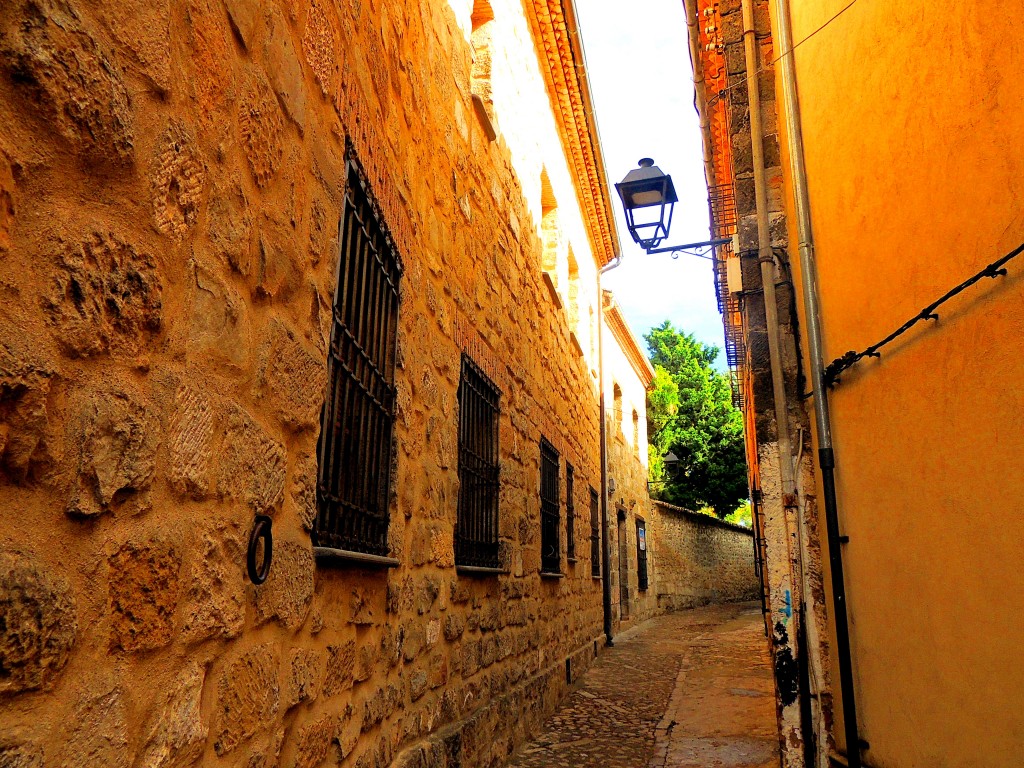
556, 35
627, 341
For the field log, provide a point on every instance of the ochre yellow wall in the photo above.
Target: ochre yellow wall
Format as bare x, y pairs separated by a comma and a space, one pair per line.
913, 129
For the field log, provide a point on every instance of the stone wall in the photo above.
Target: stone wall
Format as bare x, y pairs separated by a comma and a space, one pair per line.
701, 559
171, 181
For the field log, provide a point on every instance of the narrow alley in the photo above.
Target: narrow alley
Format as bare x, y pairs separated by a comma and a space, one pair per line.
687, 689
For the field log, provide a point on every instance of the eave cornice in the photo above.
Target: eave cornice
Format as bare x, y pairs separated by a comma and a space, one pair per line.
627, 341
556, 35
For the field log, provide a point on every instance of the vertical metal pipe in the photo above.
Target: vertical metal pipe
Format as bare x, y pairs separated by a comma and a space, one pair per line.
764, 252
606, 577
826, 455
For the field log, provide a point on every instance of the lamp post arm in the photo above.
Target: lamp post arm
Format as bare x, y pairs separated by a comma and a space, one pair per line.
688, 246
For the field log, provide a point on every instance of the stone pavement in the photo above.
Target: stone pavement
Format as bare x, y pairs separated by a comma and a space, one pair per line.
686, 690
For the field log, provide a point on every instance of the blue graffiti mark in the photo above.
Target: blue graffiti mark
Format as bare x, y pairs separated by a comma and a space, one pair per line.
788, 610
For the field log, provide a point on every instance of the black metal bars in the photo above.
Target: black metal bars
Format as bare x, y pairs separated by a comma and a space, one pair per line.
476, 533
550, 557
358, 415
570, 514
595, 534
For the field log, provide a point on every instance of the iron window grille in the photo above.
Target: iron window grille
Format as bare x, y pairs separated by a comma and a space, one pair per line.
550, 557
570, 514
476, 533
595, 534
641, 554
357, 420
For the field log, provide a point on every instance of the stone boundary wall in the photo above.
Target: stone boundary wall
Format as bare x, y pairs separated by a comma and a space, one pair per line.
701, 559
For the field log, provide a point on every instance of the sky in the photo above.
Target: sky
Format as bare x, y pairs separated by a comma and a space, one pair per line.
638, 68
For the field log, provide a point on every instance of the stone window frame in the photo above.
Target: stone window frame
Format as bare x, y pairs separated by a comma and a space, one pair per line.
595, 533
354, 496
477, 516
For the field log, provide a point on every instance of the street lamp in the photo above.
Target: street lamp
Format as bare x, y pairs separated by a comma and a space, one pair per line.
648, 198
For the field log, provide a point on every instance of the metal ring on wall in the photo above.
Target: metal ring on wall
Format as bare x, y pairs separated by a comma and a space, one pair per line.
261, 529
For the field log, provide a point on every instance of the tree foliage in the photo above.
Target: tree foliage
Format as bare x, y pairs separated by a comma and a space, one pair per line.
690, 413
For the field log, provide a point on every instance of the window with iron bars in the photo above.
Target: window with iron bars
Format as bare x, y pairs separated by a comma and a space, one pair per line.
595, 534
476, 533
357, 419
641, 554
570, 515
550, 557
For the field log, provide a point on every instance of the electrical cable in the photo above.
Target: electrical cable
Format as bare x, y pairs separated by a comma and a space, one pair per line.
762, 70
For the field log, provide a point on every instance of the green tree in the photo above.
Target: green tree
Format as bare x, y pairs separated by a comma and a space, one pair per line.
690, 413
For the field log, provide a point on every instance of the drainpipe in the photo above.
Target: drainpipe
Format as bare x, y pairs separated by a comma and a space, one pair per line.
823, 422
606, 576
765, 258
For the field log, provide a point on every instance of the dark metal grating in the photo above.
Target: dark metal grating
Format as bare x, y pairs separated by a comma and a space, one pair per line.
358, 414
476, 533
641, 554
550, 557
722, 209
570, 514
595, 534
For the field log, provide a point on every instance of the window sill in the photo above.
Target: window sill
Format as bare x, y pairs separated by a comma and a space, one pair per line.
595, 576
551, 575
571, 560
331, 556
480, 570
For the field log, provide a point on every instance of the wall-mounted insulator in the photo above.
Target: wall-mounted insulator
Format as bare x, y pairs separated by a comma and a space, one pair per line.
709, 12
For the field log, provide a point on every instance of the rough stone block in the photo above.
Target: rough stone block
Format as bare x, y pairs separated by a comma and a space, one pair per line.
340, 668
16, 754
313, 742
229, 222
261, 125
68, 77
143, 595
215, 592
288, 591
25, 377
38, 624
246, 20
119, 444
252, 464
291, 379
176, 732
106, 296
219, 328
176, 178
303, 489
96, 731
283, 67
144, 30
305, 676
248, 697
320, 44
191, 442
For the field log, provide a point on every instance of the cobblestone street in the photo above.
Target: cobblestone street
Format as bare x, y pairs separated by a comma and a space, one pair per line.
688, 689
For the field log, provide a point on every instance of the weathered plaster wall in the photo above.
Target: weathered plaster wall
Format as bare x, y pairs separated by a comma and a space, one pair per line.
627, 468
171, 176
913, 188
701, 559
